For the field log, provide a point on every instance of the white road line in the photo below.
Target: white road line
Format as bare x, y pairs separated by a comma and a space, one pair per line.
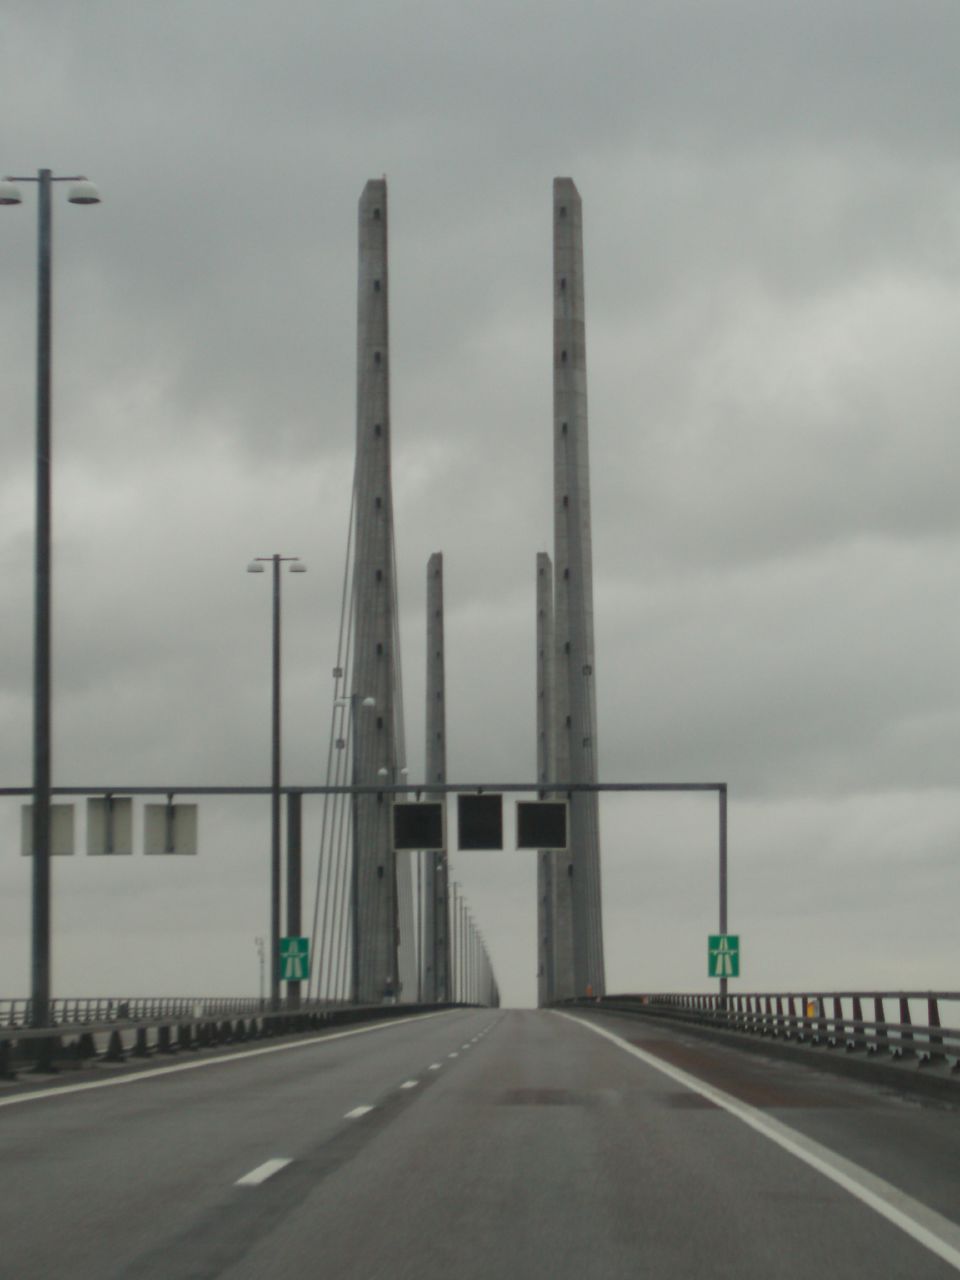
409, 1084
261, 1173
357, 1112
464, 1046
926, 1226
154, 1072
453, 1055
435, 1066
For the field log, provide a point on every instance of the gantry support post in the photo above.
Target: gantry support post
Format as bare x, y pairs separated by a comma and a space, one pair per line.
547, 860
436, 932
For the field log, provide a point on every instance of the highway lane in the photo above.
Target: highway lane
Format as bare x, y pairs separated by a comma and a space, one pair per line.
540, 1149
112, 1173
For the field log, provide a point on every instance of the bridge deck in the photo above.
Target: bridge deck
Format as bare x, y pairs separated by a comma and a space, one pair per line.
477, 1144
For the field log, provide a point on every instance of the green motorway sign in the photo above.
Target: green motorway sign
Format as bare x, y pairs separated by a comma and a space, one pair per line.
294, 959
723, 955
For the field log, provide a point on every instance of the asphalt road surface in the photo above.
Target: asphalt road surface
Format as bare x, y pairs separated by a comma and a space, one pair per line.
477, 1144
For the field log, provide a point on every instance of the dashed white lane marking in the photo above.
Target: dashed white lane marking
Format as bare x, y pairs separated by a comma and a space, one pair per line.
435, 1066
153, 1073
453, 1055
261, 1173
409, 1084
357, 1112
926, 1226
464, 1046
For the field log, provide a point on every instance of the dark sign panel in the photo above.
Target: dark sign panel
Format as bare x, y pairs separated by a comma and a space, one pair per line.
418, 826
541, 824
480, 822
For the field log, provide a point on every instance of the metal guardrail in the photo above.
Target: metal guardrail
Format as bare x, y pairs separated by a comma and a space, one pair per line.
112, 1030
76, 1011
874, 1022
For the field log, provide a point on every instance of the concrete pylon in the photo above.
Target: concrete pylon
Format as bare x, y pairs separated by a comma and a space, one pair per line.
554, 886
436, 931
575, 711
375, 759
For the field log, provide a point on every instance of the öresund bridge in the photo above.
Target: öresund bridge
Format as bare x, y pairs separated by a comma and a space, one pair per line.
373, 1111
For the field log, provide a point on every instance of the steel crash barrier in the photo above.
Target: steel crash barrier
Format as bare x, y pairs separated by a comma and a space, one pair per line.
112, 1029
920, 1025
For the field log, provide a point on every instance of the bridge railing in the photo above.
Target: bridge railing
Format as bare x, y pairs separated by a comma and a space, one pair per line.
905, 1024
82, 1010
114, 1029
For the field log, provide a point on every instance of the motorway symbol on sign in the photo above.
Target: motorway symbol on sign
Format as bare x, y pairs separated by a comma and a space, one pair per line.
294, 959
723, 958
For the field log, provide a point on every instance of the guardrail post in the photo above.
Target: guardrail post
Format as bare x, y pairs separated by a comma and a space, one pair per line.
859, 1032
6, 1072
934, 1042
114, 1048
140, 1048
822, 1033
880, 1025
85, 1047
792, 1024
906, 1037
839, 1026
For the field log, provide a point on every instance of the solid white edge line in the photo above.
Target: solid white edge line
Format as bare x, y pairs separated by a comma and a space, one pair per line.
926, 1226
262, 1172
154, 1072
357, 1112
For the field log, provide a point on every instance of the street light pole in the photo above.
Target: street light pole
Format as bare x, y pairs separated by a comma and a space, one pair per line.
256, 566
40, 985
81, 192
723, 882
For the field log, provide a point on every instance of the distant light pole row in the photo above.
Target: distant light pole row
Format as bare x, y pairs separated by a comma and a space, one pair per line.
81, 191
473, 980
256, 566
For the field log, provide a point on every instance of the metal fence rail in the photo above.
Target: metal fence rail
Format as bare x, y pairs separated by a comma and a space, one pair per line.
113, 1030
81, 1010
902, 1024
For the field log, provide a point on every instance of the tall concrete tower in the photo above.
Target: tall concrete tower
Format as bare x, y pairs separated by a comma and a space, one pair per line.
575, 710
554, 886
374, 679
436, 916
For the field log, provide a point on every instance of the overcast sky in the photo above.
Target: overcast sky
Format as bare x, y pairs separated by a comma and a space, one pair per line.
771, 202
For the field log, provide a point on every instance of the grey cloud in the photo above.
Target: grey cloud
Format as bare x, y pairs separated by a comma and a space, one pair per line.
771, 215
